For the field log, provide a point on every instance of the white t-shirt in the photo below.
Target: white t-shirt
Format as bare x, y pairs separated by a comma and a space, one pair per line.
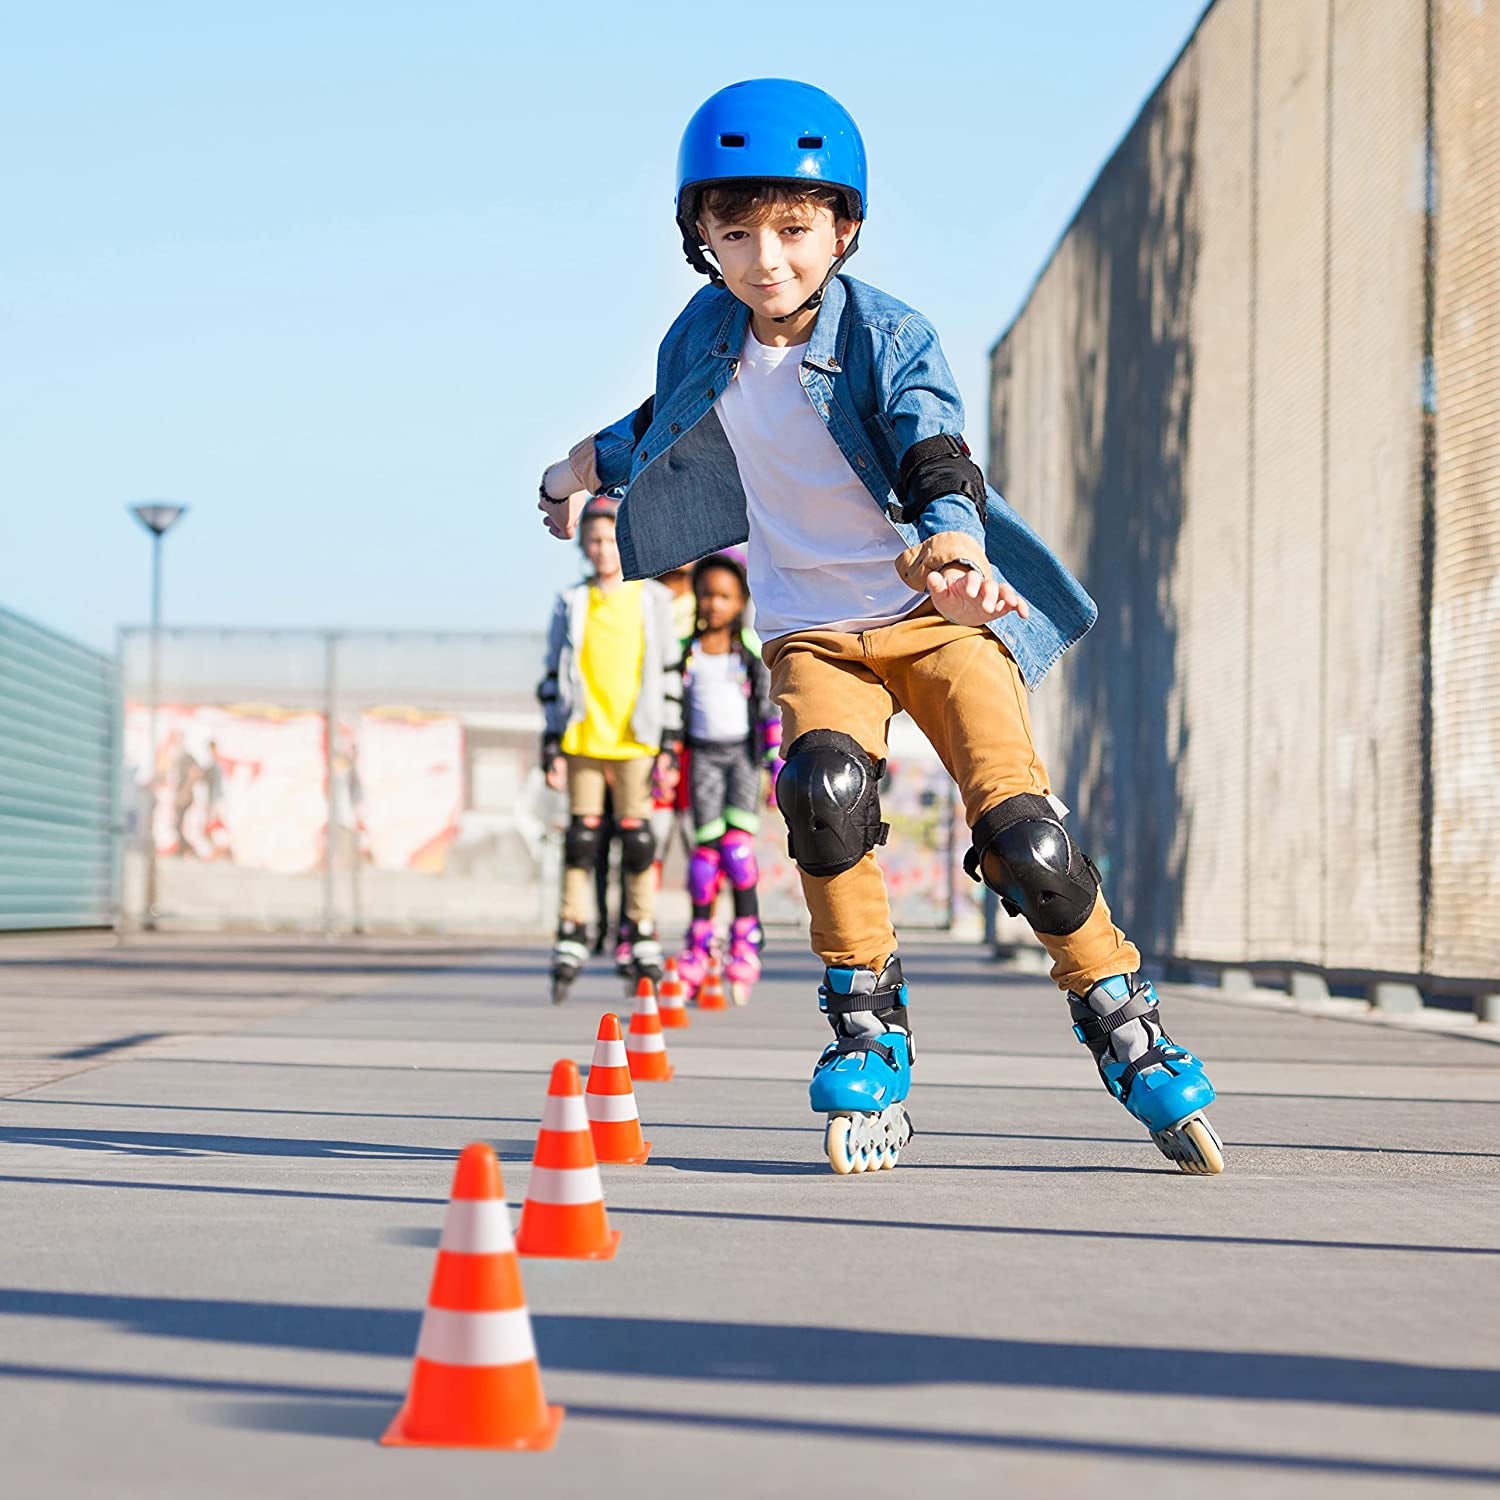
718, 708
821, 551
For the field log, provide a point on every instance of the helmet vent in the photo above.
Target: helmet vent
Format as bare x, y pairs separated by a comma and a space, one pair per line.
731, 140
810, 143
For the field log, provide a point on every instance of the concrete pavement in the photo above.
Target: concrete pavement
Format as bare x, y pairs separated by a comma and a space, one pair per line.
215, 1244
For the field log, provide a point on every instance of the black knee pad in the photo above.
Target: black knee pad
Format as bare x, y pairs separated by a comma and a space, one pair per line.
637, 849
1022, 851
829, 794
581, 844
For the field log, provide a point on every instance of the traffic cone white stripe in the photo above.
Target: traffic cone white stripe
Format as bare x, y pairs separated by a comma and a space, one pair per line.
477, 1226
564, 1112
565, 1184
646, 1041
476, 1338
609, 1054
609, 1108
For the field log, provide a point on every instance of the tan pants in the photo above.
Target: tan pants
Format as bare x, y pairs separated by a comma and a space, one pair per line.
966, 695
630, 780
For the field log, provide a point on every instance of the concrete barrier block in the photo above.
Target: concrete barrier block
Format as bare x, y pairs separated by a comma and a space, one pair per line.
1395, 998
1304, 986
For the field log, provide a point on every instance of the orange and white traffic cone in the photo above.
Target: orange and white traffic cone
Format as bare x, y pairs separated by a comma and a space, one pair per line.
671, 996
711, 994
614, 1120
476, 1383
645, 1047
563, 1215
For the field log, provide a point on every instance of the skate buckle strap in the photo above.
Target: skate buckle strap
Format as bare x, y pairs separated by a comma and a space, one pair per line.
1088, 1027
1162, 1055
845, 1045
835, 1004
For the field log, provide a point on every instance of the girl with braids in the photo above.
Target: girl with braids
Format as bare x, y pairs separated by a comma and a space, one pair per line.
732, 732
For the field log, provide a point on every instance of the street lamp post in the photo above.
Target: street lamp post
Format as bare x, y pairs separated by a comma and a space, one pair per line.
158, 517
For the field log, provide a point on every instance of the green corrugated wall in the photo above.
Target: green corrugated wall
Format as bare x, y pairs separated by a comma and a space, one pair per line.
57, 770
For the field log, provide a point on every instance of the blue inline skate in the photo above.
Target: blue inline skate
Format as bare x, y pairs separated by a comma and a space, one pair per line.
1161, 1084
864, 1074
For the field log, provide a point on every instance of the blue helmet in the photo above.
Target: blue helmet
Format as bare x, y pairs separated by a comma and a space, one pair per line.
777, 129
768, 129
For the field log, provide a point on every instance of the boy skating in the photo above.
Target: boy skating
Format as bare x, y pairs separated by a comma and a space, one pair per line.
819, 416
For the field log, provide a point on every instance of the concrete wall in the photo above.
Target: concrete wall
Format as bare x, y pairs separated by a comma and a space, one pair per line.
1254, 398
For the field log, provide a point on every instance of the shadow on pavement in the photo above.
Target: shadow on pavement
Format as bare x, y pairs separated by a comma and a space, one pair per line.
226, 1189
1269, 1242
1045, 1232
720, 1164
323, 1411
171, 1143
687, 1349
798, 1125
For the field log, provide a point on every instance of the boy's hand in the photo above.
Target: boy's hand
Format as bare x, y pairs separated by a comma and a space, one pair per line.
561, 516
968, 598
557, 774
560, 498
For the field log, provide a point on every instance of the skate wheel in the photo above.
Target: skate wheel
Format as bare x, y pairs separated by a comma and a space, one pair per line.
1205, 1156
897, 1134
739, 992
1194, 1146
836, 1143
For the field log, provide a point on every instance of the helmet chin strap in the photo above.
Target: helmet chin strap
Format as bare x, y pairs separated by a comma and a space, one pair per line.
816, 300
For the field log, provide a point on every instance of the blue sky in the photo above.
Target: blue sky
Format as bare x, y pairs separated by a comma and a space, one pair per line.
344, 277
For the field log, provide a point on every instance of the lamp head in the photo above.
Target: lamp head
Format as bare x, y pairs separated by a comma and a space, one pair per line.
158, 516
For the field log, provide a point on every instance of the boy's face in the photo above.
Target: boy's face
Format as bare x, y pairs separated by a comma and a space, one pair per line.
598, 542
720, 597
774, 267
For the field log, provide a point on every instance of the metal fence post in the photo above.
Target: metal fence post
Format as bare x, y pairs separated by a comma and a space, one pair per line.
330, 722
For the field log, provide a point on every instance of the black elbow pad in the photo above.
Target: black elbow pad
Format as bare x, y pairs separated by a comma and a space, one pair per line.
935, 467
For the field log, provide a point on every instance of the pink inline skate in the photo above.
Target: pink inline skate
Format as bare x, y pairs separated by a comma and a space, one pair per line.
743, 969
692, 962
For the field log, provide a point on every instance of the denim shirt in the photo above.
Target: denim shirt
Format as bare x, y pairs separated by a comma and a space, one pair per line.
875, 373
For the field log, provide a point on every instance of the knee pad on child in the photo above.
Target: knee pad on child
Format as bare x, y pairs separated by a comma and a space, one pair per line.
581, 844
703, 875
737, 852
637, 848
1022, 852
829, 794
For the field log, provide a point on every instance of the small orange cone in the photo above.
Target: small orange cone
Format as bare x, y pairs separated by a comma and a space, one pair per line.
476, 1383
563, 1215
645, 1047
671, 995
711, 992
614, 1120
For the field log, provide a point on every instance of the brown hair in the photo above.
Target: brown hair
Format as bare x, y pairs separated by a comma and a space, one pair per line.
755, 201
